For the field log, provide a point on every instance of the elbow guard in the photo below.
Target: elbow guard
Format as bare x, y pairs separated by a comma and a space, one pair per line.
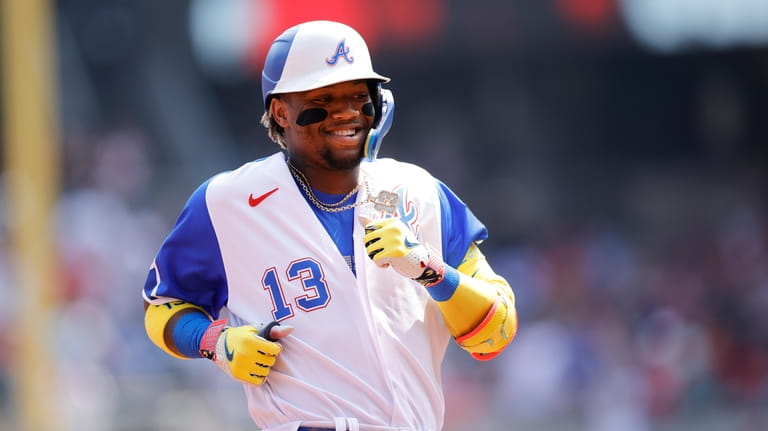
494, 333
156, 319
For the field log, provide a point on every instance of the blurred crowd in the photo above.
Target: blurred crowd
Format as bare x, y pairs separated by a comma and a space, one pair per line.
619, 333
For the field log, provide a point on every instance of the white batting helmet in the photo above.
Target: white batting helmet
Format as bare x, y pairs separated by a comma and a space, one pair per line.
313, 55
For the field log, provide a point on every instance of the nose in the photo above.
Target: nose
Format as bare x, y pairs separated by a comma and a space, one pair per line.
345, 108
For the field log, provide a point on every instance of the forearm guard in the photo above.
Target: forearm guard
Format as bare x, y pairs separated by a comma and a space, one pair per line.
478, 306
494, 333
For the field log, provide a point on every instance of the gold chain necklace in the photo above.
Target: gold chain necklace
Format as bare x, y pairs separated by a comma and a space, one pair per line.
331, 208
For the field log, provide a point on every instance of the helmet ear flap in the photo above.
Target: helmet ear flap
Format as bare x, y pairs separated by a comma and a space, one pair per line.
374, 88
384, 108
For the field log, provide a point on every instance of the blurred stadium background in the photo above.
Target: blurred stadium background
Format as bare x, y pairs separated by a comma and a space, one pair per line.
616, 149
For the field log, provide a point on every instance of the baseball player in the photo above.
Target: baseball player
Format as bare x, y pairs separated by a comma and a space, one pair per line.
328, 280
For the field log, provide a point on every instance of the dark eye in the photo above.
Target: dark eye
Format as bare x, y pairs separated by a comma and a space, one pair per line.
361, 98
319, 98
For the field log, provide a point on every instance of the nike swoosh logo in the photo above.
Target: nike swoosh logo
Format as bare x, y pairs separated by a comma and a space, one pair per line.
252, 201
230, 353
409, 244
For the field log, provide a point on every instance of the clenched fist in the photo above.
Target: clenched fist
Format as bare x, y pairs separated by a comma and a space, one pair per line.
390, 242
241, 352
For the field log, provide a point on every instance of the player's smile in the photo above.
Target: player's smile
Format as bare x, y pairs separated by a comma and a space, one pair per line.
345, 132
345, 136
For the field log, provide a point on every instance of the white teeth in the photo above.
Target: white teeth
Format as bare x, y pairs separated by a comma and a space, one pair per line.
348, 132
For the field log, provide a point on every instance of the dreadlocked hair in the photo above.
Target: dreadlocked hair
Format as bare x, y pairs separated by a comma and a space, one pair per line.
274, 130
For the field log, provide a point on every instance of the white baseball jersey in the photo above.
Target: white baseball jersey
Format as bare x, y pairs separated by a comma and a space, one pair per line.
368, 344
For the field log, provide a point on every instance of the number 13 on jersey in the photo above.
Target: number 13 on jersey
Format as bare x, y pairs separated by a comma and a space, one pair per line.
310, 274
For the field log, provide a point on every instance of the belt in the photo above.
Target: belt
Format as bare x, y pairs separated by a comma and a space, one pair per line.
303, 428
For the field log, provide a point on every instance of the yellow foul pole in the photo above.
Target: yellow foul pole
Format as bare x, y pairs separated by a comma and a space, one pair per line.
31, 178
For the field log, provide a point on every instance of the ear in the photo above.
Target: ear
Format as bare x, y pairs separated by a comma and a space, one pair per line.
279, 112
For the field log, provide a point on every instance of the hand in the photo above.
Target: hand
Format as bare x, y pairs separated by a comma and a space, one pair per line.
244, 355
389, 242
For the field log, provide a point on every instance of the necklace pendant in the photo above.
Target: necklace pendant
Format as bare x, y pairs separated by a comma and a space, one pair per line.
386, 201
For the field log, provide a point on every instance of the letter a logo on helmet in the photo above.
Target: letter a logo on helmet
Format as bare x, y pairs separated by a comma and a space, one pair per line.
299, 60
341, 51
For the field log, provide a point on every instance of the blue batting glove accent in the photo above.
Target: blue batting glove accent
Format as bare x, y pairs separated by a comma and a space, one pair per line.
188, 332
443, 290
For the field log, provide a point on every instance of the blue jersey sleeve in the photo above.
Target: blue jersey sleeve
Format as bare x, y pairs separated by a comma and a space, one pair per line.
188, 265
460, 227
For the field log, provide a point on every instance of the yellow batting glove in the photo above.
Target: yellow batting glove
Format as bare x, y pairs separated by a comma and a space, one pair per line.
390, 242
241, 352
